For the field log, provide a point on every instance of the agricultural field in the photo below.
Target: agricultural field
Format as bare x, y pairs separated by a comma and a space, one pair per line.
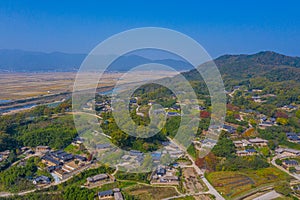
192, 182
196, 197
118, 184
232, 184
24, 85
151, 193
202, 197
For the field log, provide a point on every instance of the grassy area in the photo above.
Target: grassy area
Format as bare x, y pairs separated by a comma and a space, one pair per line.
291, 145
151, 193
117, 184
235, 183
192, 151
80, 179
73, 149
184, 160
138, 177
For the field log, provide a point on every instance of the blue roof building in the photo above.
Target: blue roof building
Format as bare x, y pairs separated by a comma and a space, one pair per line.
290, 162
229, 129
161, 171
135, 153
107, 193
173, 114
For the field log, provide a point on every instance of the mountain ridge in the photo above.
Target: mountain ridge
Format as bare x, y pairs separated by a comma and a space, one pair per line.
33, 61
242, 69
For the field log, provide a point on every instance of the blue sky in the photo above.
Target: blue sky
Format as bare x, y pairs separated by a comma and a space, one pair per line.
221, 27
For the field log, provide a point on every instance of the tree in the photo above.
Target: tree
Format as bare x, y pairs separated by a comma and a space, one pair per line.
278, 162
15, 177
6, 141
298, 114
292, 170
119, 138
253, 122
74, 193
265, 151
12, 157
249, 132
200, 162
224, 148
204, 114
281, 115
272, 145
240, 129
210, 162
247, 162
192, 151
282, 121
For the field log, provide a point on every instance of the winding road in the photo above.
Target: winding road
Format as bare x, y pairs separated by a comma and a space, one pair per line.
211, 189
296, 176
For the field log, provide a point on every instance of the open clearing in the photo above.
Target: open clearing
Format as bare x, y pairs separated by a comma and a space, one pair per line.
23, 85
151, 193
196, 197
192, 181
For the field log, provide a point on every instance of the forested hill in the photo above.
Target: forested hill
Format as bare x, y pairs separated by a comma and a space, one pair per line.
276, 67
240, 68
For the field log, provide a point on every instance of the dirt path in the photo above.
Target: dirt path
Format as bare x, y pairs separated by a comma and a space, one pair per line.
211, 189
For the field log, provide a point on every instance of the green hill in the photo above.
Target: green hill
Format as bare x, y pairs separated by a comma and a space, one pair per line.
238, 69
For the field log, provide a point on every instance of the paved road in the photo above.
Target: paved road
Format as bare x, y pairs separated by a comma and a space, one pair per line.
268, 196
27, 157
8, 194
86, 113
94, 115
211, 189
101, 133
232, 93
296, 176
139, 113
117, 169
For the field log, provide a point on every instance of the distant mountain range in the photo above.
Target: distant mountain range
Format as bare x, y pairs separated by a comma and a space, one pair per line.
28, 61
274, 66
